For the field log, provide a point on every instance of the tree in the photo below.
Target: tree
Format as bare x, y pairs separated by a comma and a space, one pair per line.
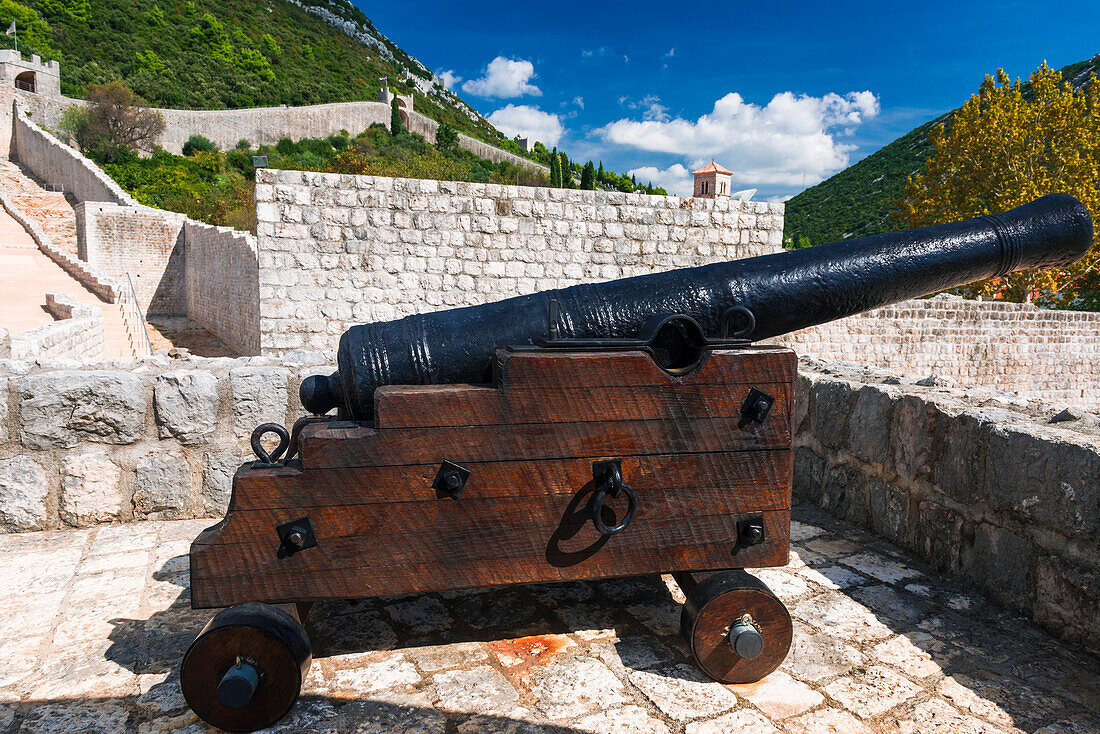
118, 122
34, 32
555, 169
588, 177
1009, 144
566, 172
396, 126
198, 143
446, 138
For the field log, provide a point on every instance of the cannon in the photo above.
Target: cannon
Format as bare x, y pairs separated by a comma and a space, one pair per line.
604, 430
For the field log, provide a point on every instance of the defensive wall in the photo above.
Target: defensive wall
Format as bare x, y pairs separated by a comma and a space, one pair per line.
77, 333
336, 250
1037, 353
976, 482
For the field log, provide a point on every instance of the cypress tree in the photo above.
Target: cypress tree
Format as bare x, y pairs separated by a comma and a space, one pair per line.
555, 170
566, 172
588, 177
396, 126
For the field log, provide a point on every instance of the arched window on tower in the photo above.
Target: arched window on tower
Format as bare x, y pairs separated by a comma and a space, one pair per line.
25, 81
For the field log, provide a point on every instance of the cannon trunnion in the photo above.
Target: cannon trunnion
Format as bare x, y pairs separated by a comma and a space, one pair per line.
570, 465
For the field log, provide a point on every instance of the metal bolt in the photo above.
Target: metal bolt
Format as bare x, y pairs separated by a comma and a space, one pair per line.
452, 481
745, 638
761, 407
296, 538
754, 534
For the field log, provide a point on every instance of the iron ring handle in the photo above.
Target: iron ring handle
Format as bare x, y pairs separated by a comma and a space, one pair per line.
612, 486
260, 451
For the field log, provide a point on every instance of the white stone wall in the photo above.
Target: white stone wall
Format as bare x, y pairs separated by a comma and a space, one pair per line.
141, 242
147, 439
1041, 354
77, 333
339, 250
56, 164
223, 291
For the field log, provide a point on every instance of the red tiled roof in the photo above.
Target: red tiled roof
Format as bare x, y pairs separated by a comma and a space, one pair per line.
712, 167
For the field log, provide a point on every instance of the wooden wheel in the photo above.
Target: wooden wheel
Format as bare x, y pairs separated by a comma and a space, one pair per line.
245, 669
737, 629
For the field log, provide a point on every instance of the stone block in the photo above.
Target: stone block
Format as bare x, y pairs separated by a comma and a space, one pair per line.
938, 531
217, 480
959, 446
845, 493
830, 406
890, 513
911, 437
1000, 561
3, 402
1067, 602
1044, 475
809, 474
869, 424
259, 396
62, 408
23, 492
185, 403
91, 489
162, 487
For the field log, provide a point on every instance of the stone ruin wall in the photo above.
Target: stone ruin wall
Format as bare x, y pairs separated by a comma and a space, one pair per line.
339, 250
974, 482
1036, 353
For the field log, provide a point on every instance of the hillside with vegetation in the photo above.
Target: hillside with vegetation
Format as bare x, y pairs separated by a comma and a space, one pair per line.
862, 199
216, 54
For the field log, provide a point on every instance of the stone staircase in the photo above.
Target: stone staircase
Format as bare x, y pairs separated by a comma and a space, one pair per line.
30, 274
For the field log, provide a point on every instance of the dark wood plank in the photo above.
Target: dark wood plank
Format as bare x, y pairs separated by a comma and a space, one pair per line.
362, 566
422, 406
324, 447
551, 370
761, 479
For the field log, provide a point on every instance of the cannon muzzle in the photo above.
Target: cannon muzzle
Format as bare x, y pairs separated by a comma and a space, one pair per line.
768, 295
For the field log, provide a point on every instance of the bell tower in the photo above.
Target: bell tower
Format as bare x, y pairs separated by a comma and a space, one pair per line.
712, 181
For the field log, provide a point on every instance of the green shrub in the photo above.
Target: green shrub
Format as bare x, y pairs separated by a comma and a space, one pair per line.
198, 143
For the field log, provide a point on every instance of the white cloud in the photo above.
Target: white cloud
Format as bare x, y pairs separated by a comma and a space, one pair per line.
528, 121
777, 144
670, 54
448, 78
579, 101
504, 78
676, 179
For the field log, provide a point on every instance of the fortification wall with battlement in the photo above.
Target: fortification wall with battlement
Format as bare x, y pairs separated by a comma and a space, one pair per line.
338, 250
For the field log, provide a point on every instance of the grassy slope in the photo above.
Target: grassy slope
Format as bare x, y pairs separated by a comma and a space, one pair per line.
860, 199
168, 54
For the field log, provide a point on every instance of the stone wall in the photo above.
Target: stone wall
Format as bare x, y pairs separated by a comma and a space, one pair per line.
77, 333
156, 438
223, 291
339, 250
142, 242
1043, 354
57, 165
975, 481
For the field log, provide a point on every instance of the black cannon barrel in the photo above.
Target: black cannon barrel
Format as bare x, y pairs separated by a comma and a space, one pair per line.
784, 292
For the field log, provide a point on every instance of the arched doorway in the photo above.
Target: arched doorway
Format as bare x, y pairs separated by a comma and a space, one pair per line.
403, 111
26, 82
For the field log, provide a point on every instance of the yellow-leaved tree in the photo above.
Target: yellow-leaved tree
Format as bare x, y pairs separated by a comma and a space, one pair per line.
1009, 144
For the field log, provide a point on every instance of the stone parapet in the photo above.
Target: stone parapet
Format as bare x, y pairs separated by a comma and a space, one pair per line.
118, 441
1038, 353
336, 250
77, 333
975, 481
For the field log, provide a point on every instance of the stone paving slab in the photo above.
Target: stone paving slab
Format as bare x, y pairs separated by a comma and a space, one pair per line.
93, 624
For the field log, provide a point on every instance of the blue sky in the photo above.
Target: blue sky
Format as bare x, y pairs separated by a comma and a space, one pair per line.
782, 93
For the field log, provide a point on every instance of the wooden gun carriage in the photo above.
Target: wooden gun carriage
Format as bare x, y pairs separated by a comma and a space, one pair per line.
579, 458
